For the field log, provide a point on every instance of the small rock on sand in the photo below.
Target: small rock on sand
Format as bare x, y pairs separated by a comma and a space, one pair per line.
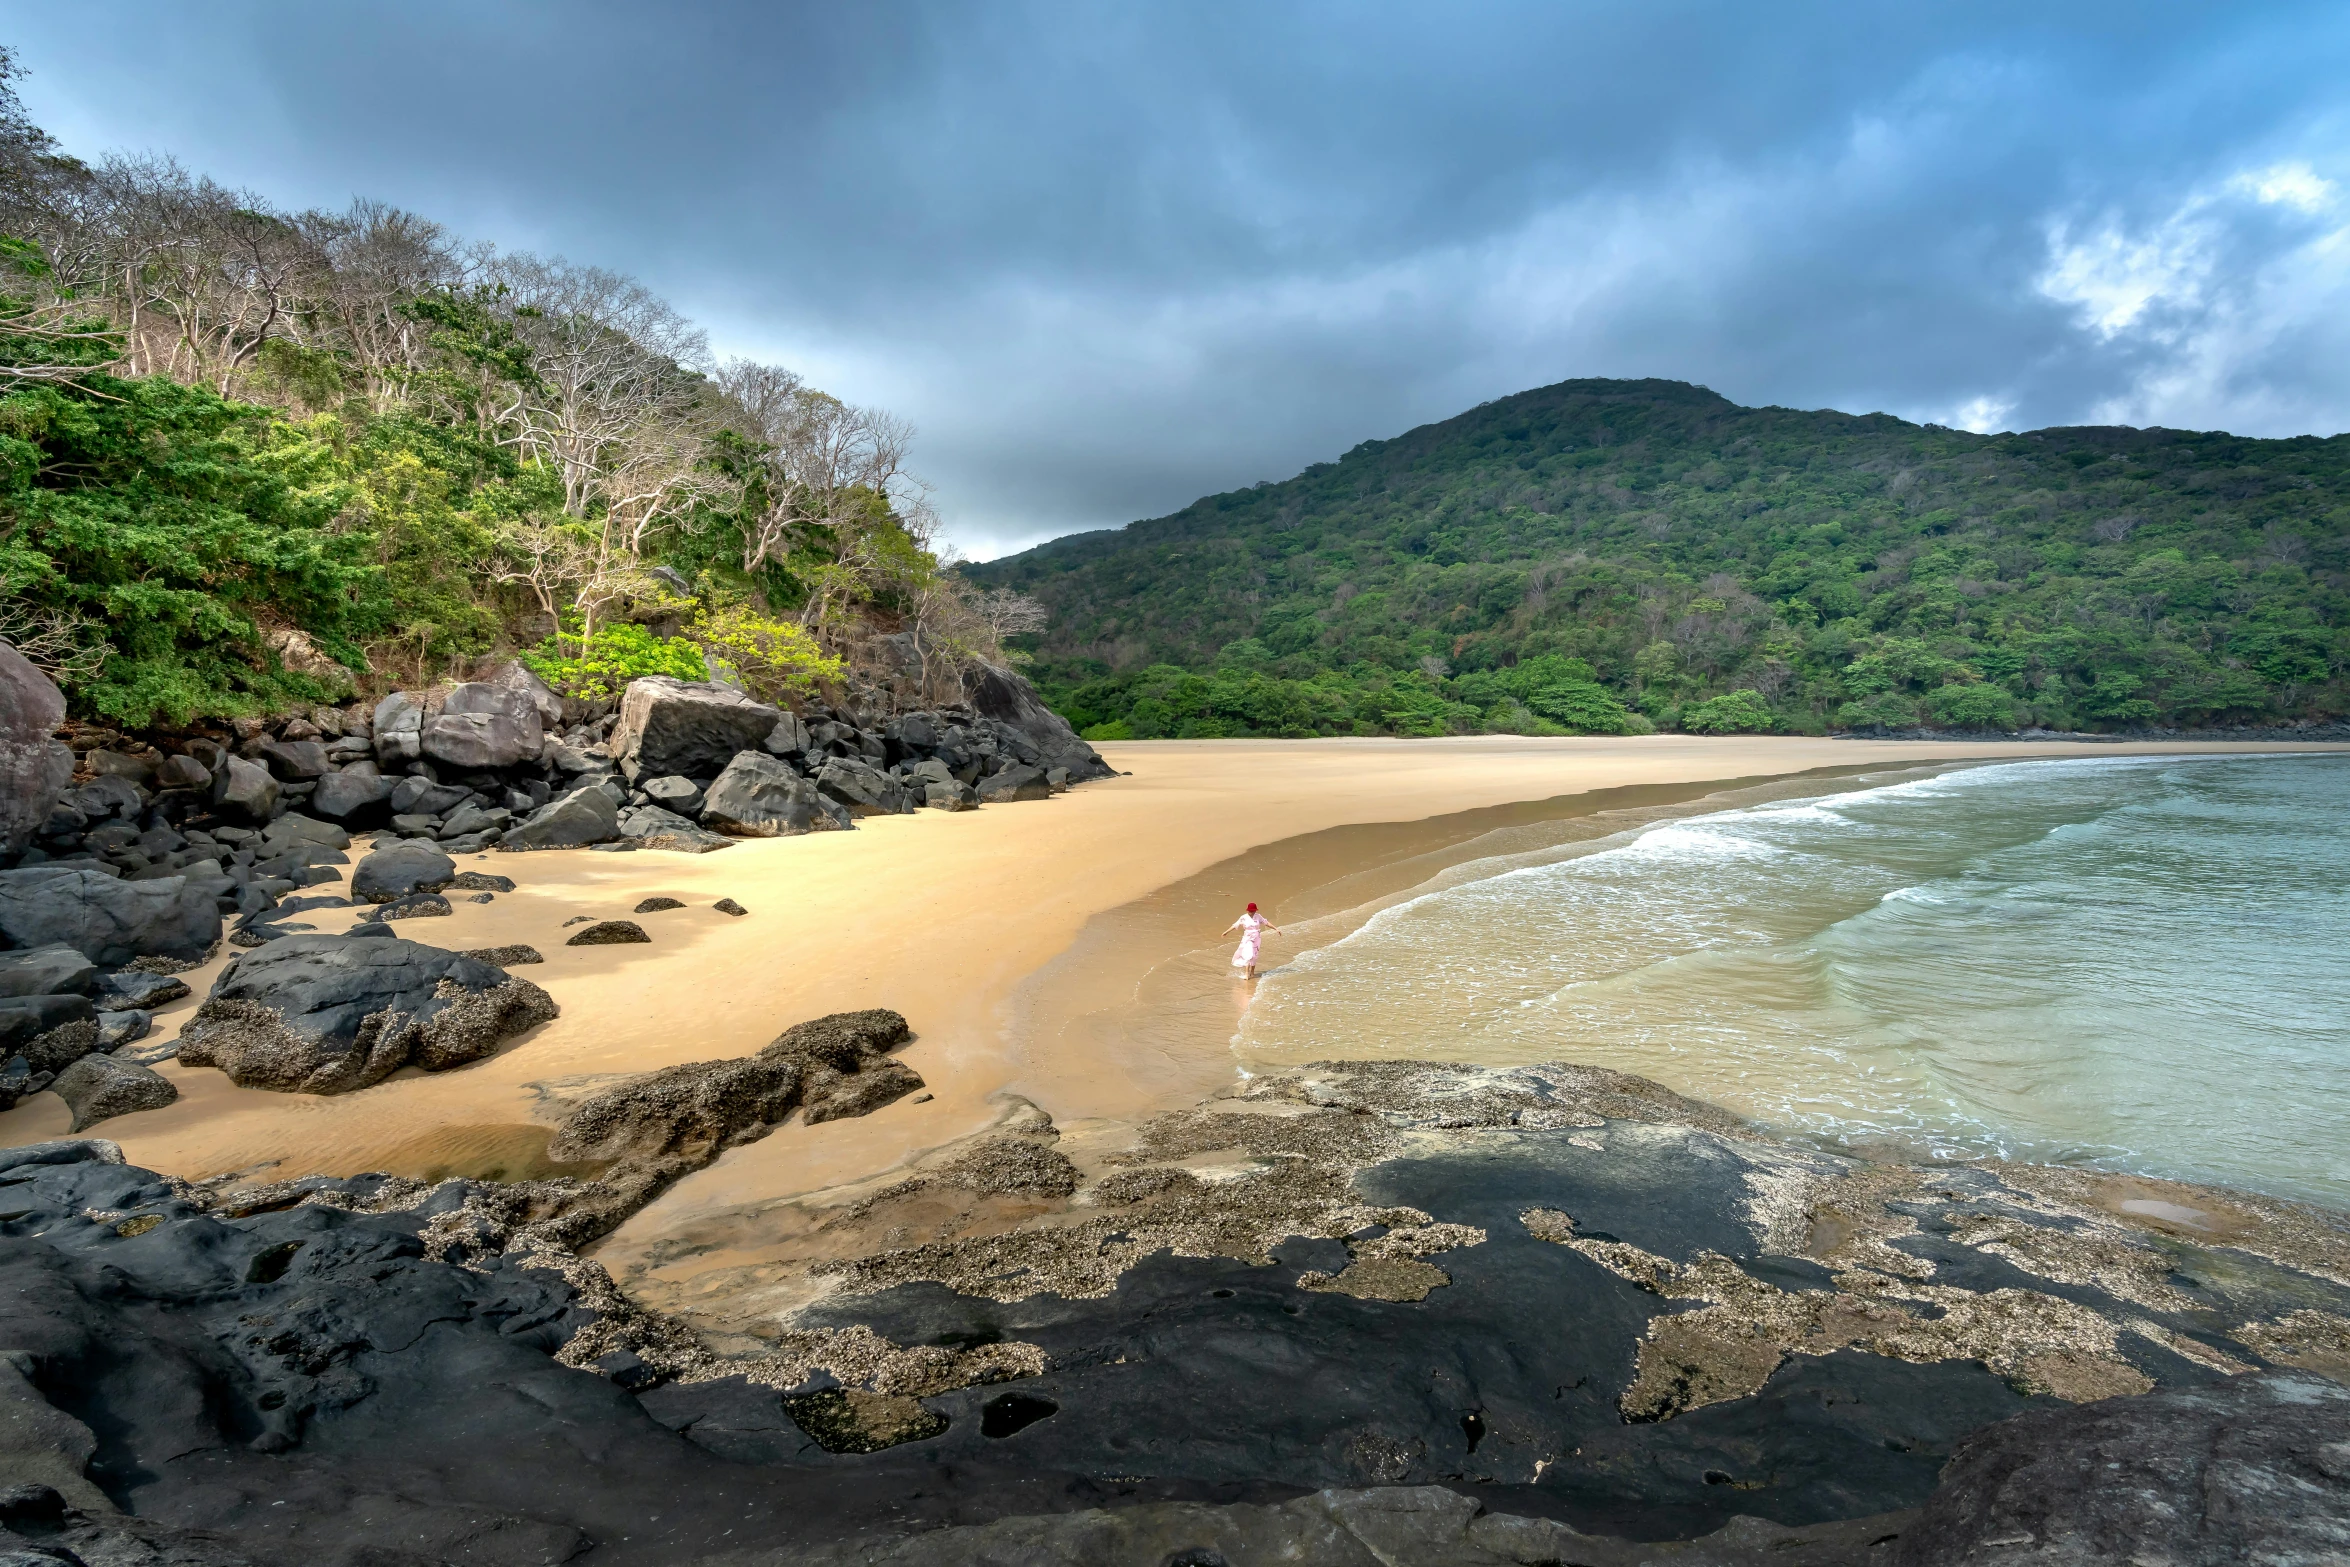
609, 933
729, 906
506, 957
656, 905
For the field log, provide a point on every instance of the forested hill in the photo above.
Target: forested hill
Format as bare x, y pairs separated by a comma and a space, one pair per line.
1605, 555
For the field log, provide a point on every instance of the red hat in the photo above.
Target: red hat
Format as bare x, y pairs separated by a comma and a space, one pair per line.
1252, 908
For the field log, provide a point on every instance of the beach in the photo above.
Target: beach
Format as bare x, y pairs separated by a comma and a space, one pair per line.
943, 918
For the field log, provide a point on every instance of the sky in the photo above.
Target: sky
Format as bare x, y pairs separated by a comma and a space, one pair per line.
1108, 257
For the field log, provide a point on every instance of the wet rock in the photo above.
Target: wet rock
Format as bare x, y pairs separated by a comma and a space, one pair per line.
608, 933
329, 1014
865, 790
654, 828
138, 988
357, 795
401, 871
671, 726
584, 817
507, 957
245, 789
2253, 1469
656, 905
35, 767
108, 920
98, 1087
126, 1027
760, 797
852, 1420
483, 727
729, 906
54, 970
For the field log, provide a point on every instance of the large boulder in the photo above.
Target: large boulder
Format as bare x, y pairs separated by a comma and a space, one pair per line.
1006, 696
516, 677
293, 760
760, 797
54, 970
401, 871
99, 1087
329, 1014
108, 920
49, 1031
654, 828
864, 789
1017, 782
35, 766
580, 818
422, 797
2253, 1468
399, 729
359, 795
245, 789
483, 727
673, 726
291, 832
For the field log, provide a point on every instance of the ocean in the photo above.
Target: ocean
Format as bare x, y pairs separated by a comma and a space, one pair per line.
2139, 964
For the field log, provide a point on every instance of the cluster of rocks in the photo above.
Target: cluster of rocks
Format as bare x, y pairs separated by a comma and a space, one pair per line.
493, 762
61, 1016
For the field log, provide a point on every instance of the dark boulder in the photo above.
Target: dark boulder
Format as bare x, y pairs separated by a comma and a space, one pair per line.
760, 797
673, 793
482, 727
48, 1031
35, 767
245, 789
138, 988
99, 1087
672, 726
580, 818
400, 871
358, 795
54, 970
865, 790
2253, 1468
789, 737
655, 828
291, 832
950, 796
656, 905
183, 772
515, 676
329, 1014
108, 920
1017, 782
399, 729
423, 797
120, 1028
293, 760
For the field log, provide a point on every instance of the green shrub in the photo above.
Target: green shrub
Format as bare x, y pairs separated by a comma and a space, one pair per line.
1582, 707
1972, 707
1733, 713
611, 658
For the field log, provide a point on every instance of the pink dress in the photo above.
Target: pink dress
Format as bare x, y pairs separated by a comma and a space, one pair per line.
1252, 936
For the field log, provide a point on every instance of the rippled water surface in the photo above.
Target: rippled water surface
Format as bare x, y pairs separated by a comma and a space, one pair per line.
2135, 963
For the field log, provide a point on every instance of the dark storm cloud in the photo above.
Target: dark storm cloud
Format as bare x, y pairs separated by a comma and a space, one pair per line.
1111, 257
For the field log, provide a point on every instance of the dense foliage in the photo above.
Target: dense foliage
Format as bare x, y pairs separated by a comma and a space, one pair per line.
251, 458
1649, 546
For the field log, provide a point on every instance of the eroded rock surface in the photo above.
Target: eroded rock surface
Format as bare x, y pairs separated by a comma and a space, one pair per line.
329, 1014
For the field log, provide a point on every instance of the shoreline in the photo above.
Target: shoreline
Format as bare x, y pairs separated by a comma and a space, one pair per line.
947, 919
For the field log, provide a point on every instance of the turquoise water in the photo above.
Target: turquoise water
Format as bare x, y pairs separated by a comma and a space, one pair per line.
2140, 964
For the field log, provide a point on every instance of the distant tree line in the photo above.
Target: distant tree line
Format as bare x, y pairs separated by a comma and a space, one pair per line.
1609, 556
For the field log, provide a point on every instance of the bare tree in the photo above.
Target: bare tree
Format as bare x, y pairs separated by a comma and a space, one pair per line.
824, 462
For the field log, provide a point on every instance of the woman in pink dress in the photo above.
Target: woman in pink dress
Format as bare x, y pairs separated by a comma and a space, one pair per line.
1252, 927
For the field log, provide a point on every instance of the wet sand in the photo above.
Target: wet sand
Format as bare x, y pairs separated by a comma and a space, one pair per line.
1065, 953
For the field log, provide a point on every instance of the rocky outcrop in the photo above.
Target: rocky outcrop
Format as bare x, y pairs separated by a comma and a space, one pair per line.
54, 970
758, 796
329, 1014
34, 767
2252, 1469
674, 727
108, 920
484, 727
1006, 696
582, 817
401, 870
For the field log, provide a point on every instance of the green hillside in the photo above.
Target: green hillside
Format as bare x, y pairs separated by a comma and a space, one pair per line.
1606, 555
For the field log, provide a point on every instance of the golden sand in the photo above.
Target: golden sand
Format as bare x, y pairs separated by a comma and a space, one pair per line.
941, 917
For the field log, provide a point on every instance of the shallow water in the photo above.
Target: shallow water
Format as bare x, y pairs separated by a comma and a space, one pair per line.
2135, 963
